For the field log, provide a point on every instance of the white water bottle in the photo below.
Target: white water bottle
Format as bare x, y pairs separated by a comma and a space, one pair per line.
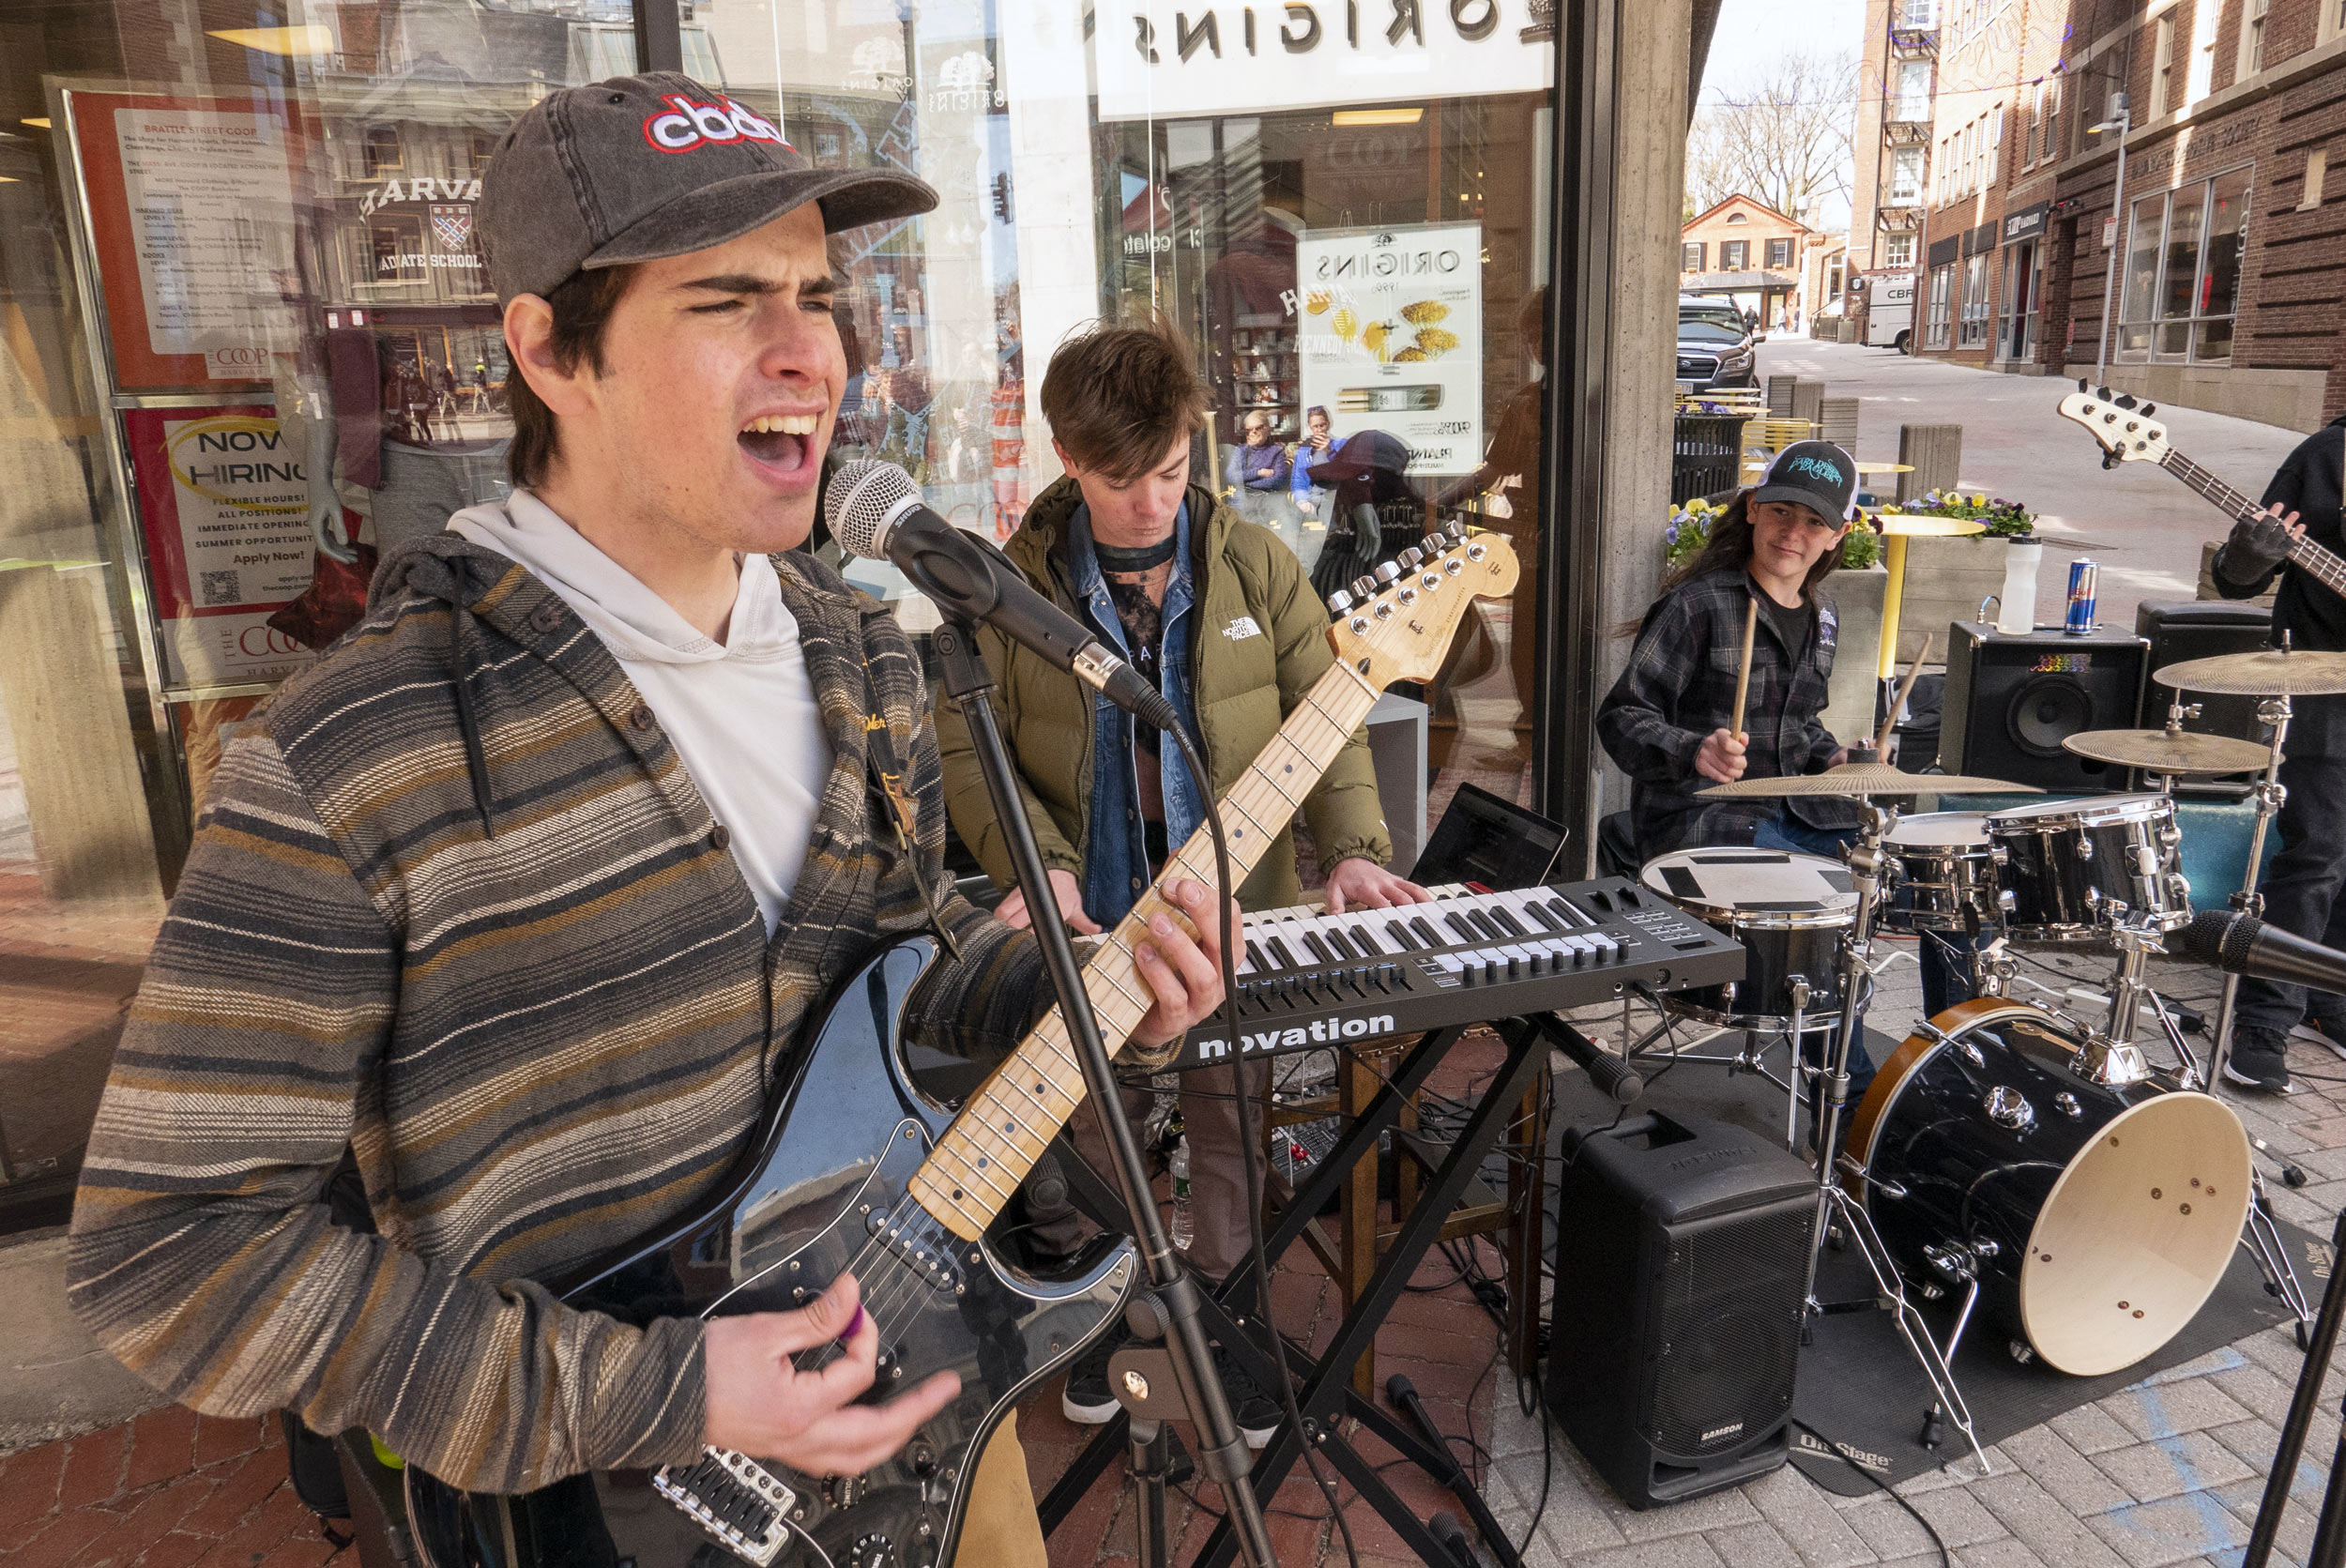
2016, 608
1184, 1227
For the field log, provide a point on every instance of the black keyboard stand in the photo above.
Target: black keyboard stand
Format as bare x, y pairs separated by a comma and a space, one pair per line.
1325, 1395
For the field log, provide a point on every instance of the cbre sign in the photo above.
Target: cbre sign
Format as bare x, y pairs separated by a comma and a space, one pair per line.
1164, 61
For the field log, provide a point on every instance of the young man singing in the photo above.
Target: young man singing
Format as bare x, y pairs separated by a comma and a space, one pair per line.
522, 893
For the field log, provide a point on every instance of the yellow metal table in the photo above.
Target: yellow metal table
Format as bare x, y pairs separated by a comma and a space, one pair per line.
1896, 528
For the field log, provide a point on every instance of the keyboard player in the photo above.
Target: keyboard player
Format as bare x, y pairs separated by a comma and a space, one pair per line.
1217, 612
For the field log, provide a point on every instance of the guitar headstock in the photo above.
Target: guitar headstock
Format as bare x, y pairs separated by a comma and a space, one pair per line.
1396, 625
2123, 425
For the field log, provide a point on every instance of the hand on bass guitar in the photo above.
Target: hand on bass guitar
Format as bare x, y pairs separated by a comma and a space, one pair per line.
2259, 543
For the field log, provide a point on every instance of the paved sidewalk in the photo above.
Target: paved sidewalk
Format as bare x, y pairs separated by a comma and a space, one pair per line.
2139, 521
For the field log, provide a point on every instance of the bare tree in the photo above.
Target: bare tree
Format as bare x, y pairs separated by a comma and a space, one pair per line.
1783, 139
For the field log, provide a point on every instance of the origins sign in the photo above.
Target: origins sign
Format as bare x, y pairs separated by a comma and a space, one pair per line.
1164, 61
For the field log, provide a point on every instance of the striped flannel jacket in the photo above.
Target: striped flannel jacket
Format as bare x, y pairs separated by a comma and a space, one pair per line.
455, 904
1680, 686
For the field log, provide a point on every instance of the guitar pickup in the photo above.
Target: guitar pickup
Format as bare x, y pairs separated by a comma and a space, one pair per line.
736, 1500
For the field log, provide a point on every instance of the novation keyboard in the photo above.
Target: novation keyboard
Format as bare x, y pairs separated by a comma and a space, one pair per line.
1311, 980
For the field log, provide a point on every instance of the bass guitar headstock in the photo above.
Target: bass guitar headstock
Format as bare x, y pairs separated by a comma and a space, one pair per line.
1396, 624
2122, 424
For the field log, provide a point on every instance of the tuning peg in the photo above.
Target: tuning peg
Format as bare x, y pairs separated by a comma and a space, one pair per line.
2125, 400
1363, 587
1455, 528
2102, 392
1433, 544
1339, 602
1387, 572
2149, 409
1410, 558
2083, 386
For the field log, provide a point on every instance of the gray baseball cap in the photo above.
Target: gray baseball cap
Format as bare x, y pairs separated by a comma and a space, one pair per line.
640, 167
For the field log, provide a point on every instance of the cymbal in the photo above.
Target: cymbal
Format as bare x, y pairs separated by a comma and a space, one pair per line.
2158, 751
2268, 672
1862, 778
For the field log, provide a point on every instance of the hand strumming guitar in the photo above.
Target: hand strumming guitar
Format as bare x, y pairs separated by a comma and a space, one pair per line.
2259, 543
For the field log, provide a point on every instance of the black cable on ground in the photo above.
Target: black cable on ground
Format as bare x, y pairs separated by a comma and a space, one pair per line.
1945, 1559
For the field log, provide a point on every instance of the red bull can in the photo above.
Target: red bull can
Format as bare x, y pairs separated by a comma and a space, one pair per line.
2084, 577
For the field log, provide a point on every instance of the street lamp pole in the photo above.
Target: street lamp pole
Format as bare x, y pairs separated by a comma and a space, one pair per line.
2121, 120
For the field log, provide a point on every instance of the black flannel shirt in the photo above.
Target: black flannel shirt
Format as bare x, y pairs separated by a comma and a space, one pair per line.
1680, 686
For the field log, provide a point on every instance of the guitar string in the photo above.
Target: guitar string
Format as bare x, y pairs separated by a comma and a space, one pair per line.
2320, 563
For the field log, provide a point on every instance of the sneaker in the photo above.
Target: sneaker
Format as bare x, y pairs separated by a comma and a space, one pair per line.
1258, 1414
1086, 1400
2258, 1060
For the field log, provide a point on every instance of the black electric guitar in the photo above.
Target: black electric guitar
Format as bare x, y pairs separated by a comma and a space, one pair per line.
2125, 428
854, 1168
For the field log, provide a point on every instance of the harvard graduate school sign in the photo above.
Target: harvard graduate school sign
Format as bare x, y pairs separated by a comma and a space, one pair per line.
1164, 61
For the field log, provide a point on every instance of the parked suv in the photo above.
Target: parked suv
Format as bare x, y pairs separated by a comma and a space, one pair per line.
1714, 347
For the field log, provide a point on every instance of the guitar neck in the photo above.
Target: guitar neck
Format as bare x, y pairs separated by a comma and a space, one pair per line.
2322, 564
1001, 1132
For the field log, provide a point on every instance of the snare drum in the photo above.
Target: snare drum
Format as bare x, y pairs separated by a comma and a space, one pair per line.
1947, 871
2099, 1218
1788, 910
2077, 869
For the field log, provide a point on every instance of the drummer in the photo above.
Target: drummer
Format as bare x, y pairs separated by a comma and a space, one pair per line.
1668, 721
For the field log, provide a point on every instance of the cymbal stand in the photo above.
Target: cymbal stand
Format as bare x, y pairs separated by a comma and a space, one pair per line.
1758, 1039
2270, 794
1833, 1201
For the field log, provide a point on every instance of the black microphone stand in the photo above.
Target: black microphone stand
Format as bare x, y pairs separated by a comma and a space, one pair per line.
1168, 1308
2329, 1535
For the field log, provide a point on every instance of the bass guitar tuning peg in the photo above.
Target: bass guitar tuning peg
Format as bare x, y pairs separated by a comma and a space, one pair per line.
2102, 392
2149, 409
2125, 400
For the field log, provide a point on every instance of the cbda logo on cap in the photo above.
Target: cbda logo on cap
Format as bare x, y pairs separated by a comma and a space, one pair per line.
687, 124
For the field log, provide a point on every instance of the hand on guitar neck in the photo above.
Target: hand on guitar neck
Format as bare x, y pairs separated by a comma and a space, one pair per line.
2261, 542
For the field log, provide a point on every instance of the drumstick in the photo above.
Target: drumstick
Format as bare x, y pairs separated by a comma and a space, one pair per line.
1742, 676
1882, 742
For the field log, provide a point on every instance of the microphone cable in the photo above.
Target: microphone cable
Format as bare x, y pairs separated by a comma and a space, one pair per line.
1250, 1144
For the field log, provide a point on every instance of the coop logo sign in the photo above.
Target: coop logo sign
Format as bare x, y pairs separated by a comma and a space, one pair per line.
1179, 58
688, 125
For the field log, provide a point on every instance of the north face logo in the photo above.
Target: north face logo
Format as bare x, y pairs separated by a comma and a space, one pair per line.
686, 125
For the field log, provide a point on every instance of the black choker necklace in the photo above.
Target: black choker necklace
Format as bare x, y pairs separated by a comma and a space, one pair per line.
1117, 559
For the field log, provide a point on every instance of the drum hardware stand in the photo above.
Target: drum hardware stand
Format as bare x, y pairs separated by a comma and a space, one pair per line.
2270, 794
1832, 1199
2110, 1056
1751, 1058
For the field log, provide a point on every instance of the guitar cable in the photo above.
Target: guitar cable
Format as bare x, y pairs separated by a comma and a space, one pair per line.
1249, 1144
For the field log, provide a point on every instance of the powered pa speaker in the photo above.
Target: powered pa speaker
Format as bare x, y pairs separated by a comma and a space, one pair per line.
1681, 1263
2011, 700
2201, 628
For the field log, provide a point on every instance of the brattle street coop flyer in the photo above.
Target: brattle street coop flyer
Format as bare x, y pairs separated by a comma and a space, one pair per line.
1390, 337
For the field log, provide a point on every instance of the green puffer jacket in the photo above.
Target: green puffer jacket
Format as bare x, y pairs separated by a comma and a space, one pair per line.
1245, 681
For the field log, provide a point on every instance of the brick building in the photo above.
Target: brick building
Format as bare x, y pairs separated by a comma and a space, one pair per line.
1898, 81
1992, 165
2229, 266
1749, 252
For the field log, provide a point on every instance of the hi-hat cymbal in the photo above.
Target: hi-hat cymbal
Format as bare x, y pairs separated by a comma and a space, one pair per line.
1864, 779
2158, 751
2268, 672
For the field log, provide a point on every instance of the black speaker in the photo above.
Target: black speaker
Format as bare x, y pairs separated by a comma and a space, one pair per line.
1680, 1259
2011, 700
2201, 628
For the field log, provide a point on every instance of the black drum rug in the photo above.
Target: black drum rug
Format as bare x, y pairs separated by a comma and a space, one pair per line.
1859, 1387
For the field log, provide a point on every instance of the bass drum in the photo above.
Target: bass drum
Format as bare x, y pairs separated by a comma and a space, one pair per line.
2112, 1212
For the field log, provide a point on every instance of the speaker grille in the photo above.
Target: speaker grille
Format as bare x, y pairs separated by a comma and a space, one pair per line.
2046, 710
1730, 1301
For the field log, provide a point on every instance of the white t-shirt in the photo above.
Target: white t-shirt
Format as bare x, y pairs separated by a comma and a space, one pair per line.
742, 712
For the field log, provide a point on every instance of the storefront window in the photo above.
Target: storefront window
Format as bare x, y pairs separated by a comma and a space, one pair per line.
2183, 272
1939, 331
239, 301
1974, 329
241, 306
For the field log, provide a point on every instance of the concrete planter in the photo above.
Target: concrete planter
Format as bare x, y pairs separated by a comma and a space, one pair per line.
1855, 596
1946, 580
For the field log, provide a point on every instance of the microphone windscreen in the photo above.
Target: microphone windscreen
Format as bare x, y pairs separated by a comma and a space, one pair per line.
2216, 936
864, 498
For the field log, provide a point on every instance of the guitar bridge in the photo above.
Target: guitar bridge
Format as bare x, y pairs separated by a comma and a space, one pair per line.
736, 1500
